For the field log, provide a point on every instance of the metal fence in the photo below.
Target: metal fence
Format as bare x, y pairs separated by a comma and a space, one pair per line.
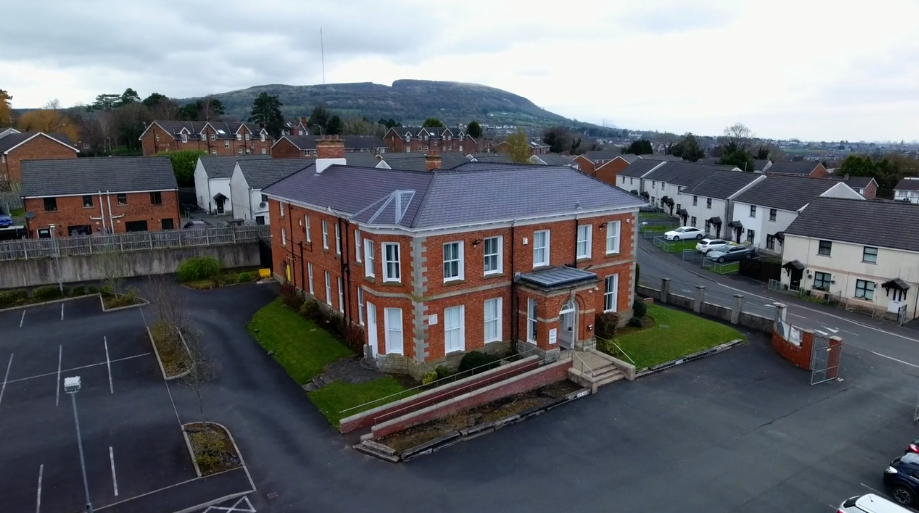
123, 242
10, 201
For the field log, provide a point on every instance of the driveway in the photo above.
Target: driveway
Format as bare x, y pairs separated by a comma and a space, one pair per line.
741, 431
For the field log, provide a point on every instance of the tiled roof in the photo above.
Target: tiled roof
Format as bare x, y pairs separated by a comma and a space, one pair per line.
596, 155
722, 184
793, 168
640, 167
362, 158
555, 159
667, 158
685, 174
905, 184
858, 182
91, 175
472, 193
760, 164
308, 142
225, 129
493, 158
223, 166
874, 223
415, 161
630, 157
12, 140
262, 173
786, 192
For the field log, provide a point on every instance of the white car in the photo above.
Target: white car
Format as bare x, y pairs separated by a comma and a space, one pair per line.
706, 245
870, 503
684, 233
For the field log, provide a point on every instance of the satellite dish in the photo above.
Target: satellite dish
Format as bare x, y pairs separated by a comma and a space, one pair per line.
30, 215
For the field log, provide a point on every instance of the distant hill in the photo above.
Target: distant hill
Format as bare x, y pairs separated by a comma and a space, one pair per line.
407, 101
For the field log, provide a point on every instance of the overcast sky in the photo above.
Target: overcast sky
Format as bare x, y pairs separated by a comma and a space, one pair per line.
812, 69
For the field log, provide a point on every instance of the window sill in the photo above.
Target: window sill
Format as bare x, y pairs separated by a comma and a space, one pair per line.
867, 262
454, 281
825, 256
540, 266
391, 283
583, 258
494, 274
371, 278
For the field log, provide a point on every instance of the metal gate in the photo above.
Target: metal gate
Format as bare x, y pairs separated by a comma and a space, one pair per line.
264, 254
823, 367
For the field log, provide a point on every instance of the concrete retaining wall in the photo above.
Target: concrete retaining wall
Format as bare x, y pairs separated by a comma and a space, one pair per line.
643, 291
43, 271
525, 382
681, 301
416, 402
717, 311
757, 322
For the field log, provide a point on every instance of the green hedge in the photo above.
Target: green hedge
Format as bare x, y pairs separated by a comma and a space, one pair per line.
198, 268
46, 293
10, 298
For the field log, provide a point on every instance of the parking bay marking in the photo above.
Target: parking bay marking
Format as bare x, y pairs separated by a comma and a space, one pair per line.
6, 377
57, 394
22, 319
41, 470
111, 457
108, 363
72, 369
62, 311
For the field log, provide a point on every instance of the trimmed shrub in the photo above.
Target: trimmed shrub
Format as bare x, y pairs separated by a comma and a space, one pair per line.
105, 290
244, 277
479, 361
354, 337
311, 310
75, 291
46, 293
442, 371
92, 289
636, 322
198, 268
639, 308
127, 299
429, 377
290, 297
605, 325
10, 298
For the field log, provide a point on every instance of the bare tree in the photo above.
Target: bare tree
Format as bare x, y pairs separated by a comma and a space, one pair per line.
738, 136
110, 265
167, 301
200, 370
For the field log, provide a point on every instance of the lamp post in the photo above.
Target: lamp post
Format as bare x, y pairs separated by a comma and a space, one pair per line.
72, 386
57, 260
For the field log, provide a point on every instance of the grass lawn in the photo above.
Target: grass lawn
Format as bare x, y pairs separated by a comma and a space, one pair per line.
301, 347
653, 215
675, 334
337, 396
677, 246
656, 228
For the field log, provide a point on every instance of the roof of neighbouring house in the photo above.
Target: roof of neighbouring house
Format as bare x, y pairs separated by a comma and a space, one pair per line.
908, 184
14, 139
666, 158
801, 167
474, 192
871, 223
858, 182
260, 173
686, 174
416, 161
555, 159
722, 184
597, 155
223, 166
494, 158
90, 175
760, 164
351, 142
223, 129
641, 167
786, 192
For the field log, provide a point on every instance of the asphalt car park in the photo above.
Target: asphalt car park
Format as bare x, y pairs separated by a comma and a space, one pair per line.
132, 440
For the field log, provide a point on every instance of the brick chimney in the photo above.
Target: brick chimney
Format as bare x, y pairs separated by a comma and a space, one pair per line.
432, 161
329, 151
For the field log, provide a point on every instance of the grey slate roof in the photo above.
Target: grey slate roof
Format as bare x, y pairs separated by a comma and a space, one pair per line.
874, 223
225, 129
362, 158
686, 174
596, 155
760, 164
91, 175
667, 158
802, 167
903, 185
555, 159
640, 167
223, 166
415, 161
352, 142
472, 193
858, 182
262, 173
722, 184
786, 192
11, 140
558, 277
494, 158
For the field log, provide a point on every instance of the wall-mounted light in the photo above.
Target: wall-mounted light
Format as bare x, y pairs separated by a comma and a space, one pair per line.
602, 225
476, 242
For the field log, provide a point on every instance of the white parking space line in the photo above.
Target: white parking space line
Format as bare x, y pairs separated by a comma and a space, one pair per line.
22, 319
57, 395
111, 457
108, 363
889, 357
62, 311
6, 377
872, 489
41, 470
76, 368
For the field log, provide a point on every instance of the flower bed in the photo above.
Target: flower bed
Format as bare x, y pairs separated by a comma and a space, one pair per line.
212, 448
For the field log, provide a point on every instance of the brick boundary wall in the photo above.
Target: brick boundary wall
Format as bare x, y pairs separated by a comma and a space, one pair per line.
525, 382
798, 355
416, 402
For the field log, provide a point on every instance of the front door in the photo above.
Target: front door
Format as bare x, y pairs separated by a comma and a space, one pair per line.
566, 335
372, 328
796, 278
219, 200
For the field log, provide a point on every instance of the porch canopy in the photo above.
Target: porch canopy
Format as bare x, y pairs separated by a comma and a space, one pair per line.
896, 284
794, 264
557, 277
667, 200
715, 220
736, 224
682, 212
779, 236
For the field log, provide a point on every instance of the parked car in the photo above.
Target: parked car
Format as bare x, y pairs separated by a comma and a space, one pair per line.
900, 478
913, 446
194, 223
684, 233
706, 245
5, 221
732, 253
869, 503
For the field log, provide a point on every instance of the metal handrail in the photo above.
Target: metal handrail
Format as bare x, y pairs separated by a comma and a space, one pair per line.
623, 352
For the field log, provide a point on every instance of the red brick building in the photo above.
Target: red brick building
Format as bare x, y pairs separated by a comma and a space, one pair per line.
213, 137
434, 264
99, 195
17, 146
296, 146
425, 140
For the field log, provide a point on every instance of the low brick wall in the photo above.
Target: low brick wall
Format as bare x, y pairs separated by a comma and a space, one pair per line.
800, 355
525, 382
643, 291
430, 397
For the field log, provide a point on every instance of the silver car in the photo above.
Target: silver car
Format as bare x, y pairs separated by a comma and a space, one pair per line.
732, 253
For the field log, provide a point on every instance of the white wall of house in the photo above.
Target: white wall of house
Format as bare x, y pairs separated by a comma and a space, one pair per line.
201, 191
842, 190
846, 266
206, 188
701, 211
763, 224
903, 195
247, 203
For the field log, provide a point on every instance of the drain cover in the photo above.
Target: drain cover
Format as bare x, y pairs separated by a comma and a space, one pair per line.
272, 496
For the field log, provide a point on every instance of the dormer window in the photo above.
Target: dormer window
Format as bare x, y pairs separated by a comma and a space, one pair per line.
239, 137
262, 137
184, 138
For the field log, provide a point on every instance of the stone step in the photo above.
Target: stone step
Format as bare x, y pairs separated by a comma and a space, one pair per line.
609, 378
604, 371
371, 450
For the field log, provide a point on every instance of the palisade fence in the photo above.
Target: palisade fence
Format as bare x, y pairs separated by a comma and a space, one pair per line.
124, 242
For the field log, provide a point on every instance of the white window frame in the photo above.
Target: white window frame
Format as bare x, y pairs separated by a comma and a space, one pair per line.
544, 248
357, 246
283, 237
360, 306
325, 234
494, 321
613, 231
458, 260
532, 321
368, 259
585, 238
309, 238
282, 209
611, 293
341, 295
337, 239
309, 267
499, 256
458, 331
866, 254
865, 290
389, 329
388, 276
753, 211
328, 288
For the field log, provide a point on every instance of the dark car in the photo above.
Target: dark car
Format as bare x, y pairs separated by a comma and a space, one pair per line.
902, 478
913, 446
5, 221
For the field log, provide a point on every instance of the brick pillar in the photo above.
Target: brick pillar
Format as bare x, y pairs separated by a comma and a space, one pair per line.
700, 297
665, 290
738, 307
780, 309
432, 161
835, 355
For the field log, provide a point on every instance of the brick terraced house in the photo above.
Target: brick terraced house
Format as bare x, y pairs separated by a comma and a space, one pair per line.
294, 146
213, 137
99, 195
17, 146
437, 263
419, 139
